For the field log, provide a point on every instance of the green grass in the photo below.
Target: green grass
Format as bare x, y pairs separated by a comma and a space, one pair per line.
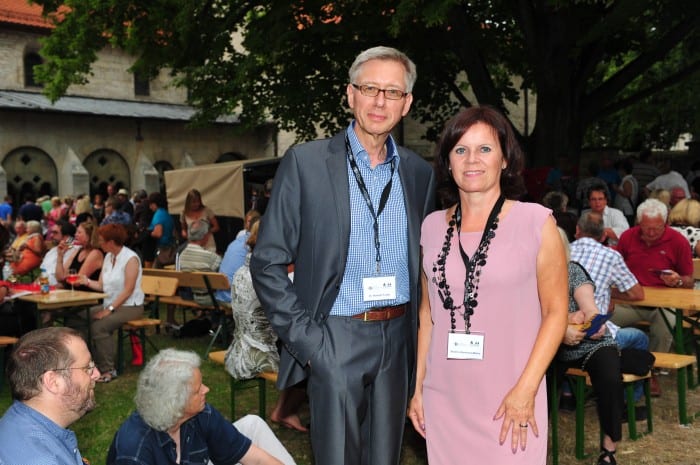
115, 402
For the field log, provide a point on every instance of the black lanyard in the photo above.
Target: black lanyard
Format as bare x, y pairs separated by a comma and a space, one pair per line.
365, 194
471, 278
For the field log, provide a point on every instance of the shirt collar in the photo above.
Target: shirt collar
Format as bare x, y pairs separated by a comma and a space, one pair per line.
361, 154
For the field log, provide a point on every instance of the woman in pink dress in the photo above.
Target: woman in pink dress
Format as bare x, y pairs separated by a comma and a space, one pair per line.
482, 353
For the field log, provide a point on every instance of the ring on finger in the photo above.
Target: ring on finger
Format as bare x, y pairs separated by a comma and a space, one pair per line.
523, 426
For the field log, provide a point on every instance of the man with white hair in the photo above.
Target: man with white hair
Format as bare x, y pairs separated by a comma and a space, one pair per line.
174, 424
658, 256
52, 379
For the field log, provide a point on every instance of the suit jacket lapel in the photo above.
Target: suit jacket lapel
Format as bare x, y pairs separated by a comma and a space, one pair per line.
336, 163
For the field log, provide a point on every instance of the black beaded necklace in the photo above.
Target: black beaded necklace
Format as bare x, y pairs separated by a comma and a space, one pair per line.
473, 266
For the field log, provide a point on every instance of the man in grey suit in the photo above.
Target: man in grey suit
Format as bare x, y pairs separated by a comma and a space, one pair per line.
347, 212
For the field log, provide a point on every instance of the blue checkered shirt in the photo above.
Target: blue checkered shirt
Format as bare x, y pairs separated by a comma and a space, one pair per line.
606, 267
393, 232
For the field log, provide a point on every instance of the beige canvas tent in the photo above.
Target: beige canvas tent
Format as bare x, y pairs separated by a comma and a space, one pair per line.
222, 185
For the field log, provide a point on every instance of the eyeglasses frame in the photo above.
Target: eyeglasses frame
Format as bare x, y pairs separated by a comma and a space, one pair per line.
89, 369
364, 88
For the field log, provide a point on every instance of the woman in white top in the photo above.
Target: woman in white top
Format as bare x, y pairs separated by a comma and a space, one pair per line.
120, 279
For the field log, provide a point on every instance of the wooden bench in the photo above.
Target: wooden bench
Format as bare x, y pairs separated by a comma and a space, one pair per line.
680, 363
208, 280
4, 342
242, 384
155, 287
581, 381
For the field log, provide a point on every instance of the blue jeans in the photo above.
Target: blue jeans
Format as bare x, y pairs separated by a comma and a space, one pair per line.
633, 338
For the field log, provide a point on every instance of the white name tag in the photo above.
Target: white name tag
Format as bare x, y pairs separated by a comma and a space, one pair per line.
379, 288
464, 346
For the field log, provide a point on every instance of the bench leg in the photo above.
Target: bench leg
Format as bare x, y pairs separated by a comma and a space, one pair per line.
261, 398
631, 414
580, 392
647, 401
120, 351
682, 402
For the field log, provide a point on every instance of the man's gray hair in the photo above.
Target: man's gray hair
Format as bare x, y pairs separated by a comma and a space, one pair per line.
591, 225
385, 53
197, 230
163, 388
652, 208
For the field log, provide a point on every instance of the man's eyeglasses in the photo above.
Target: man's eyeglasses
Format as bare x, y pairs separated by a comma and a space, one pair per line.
89, 369
373, 91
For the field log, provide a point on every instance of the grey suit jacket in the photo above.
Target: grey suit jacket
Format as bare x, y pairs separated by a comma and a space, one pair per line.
307, 222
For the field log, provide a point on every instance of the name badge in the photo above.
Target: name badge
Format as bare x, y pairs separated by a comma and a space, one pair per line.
462, 346
379, 288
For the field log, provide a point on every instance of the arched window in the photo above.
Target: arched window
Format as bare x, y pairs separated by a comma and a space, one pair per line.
31, 59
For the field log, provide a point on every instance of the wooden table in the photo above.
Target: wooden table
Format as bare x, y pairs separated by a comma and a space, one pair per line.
64, 298
686, 302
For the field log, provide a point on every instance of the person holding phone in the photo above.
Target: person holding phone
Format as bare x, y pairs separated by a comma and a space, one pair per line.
658, 256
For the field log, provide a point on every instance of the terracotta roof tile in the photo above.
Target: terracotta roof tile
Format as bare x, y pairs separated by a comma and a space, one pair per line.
23, 13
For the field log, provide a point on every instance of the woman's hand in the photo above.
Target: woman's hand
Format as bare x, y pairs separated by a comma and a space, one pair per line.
518, 412
101, 314
573, 336
415, 413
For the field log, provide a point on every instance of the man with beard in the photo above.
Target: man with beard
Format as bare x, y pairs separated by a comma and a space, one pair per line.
52, 379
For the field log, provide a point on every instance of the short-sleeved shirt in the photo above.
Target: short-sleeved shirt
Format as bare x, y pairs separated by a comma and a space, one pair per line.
606, 267
234, 258
670, 252
162, 217
5, 210
24, 433
206, 436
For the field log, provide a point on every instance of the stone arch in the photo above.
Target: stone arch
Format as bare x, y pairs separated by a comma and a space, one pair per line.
30, 170
106, 166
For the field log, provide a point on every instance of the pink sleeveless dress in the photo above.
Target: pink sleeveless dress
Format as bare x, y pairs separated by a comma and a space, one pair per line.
461, 396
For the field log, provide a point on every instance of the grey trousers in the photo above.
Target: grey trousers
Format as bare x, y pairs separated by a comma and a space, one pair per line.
101, 332
358, 392
660, 338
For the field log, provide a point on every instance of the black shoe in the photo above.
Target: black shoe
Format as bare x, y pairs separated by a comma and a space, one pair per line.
606, 454
567, 403
640, 413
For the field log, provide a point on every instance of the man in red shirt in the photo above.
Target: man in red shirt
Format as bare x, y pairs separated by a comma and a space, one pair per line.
658, 256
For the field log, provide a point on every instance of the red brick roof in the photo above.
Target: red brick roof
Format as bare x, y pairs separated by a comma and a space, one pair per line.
21, 12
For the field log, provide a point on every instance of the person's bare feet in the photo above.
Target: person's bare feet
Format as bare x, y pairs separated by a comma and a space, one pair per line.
291, 422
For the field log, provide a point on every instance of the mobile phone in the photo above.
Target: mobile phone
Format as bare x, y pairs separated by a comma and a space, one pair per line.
661, 272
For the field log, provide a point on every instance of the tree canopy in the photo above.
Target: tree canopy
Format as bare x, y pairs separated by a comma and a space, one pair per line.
593, 65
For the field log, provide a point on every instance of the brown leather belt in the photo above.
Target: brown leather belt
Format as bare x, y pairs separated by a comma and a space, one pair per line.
381, 313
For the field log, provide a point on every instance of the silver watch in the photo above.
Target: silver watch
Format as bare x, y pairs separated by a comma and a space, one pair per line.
111, 308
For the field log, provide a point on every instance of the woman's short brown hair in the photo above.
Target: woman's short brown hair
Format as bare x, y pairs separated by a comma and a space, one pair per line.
512, 184
113, 232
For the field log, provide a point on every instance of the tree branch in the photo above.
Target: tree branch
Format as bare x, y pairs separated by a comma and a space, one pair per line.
607, 90
649, 91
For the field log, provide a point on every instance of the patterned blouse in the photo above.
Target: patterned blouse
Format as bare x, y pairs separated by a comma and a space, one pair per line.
583, 351
692, 234
254, 348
